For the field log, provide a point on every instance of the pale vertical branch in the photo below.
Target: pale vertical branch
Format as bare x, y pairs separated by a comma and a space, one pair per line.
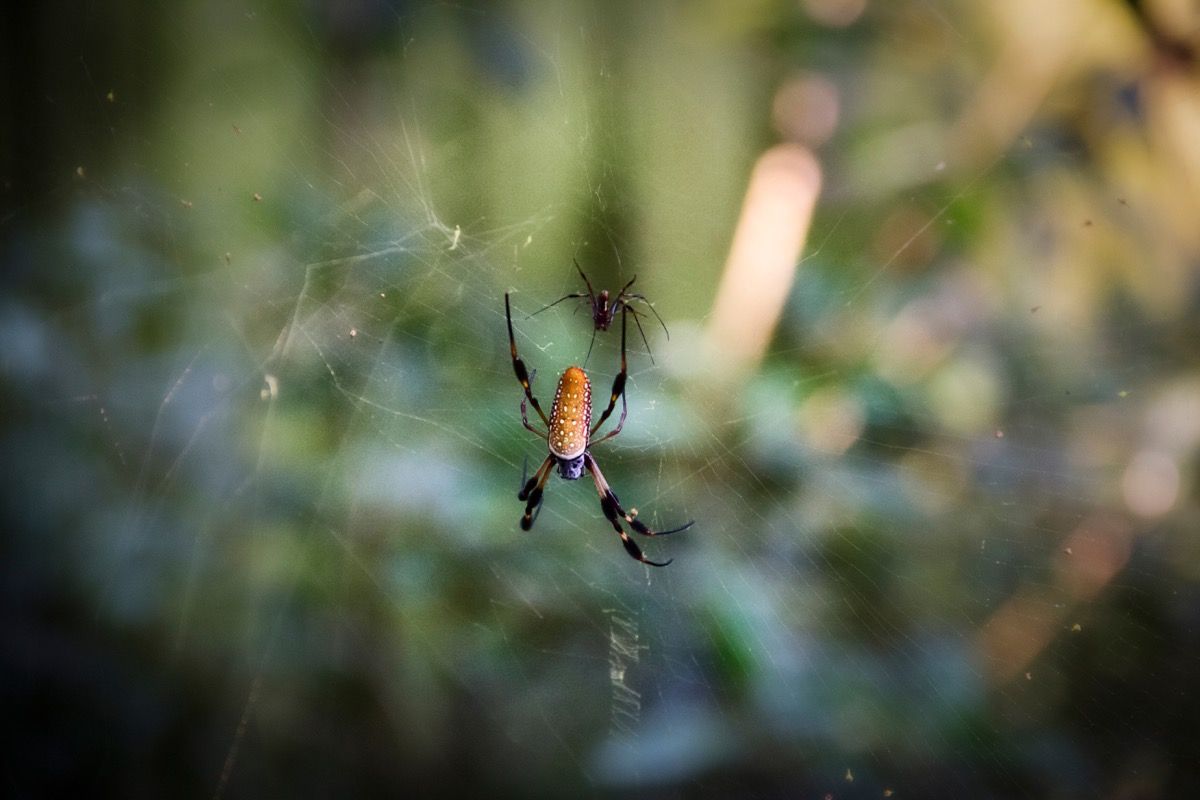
763, 258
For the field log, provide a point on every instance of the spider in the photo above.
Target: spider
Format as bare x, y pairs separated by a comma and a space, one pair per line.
605, 310
569, 438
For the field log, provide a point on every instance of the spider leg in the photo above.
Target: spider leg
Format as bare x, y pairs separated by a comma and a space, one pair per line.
525, 416
519, 365
620, 423
591, 294
525, 420
609, 499
618, 387
532, 492
590, 343
653, 310
612, 515
556, 302
638, 322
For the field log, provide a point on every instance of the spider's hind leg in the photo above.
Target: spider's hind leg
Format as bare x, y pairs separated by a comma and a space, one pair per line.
531, 492
613, 513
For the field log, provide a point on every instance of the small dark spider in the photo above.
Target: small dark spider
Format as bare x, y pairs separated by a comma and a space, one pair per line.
569, 437
604, 309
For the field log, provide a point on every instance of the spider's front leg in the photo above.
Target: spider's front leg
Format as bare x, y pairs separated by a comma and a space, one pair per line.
519, 365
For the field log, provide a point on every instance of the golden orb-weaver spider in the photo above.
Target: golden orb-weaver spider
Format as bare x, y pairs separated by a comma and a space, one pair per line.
569, 438
604, 308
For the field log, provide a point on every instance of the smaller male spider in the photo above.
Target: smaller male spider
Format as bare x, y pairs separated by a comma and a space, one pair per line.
605, 309
569, 437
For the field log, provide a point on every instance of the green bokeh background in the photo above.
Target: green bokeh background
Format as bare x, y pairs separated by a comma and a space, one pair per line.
261, 437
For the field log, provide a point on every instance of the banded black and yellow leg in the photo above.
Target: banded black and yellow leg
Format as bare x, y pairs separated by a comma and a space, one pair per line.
618, 390
531, 492
525, 412
519, 365
612, 512
609, 501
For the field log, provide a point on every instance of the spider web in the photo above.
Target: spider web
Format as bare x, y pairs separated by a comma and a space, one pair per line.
272, 440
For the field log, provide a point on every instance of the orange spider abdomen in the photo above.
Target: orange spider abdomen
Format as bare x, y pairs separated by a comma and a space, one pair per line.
571, 414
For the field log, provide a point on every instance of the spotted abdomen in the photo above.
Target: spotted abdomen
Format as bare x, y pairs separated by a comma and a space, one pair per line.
571, 414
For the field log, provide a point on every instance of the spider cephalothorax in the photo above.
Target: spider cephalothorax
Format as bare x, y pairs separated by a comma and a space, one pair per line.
568, 437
